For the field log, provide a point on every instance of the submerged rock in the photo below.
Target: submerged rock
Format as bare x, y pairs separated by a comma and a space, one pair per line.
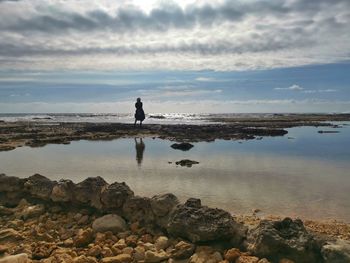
184, 146
284, 239
113, 223
201, 224
186, 162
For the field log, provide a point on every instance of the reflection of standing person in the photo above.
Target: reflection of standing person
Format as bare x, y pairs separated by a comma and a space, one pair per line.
140, 148
139, 114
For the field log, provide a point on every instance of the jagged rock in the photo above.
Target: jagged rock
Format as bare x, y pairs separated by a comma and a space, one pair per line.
162, 242
19, 258
155, 256
111, 222
200, 223
336, 251
114, 196
10, 235
63, 191
186, 162
10, 183
283, 239
29, 211
247, 259
88, 192
183, 250
39, 186
42, 250
138, 209
205, 255
122, 258
161, 206
184, 146
83, 237
232, 254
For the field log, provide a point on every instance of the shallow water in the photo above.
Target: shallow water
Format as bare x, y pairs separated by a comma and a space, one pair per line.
302, 174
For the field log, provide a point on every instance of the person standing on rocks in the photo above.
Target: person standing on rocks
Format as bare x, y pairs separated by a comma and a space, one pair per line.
139, 114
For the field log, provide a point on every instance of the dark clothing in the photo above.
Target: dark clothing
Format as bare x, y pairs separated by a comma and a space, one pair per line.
139, 114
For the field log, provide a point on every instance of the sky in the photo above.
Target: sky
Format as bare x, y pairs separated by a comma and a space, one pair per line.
218, 56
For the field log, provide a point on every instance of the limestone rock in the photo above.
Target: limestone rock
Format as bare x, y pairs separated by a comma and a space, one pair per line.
205, 255
200, 223
83, 237
162, 242
122, 258
63, 191
84, 259
39, 186
30, 211
162, 205
247, 259
232, 254
182, 250
19, 258
114, 196
10, 184
88, 192
155, 256
284, 239
138, 209
10, 235
111, 222
336, 251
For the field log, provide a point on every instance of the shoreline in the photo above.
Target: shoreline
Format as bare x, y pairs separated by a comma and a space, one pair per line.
38, 134
34, 210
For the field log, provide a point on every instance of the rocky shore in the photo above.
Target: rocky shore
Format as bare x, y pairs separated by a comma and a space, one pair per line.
93, 221
40, 133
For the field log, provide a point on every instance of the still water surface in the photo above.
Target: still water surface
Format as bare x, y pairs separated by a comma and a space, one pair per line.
306, 175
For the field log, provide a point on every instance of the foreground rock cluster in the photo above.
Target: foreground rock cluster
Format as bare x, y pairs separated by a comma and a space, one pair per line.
93, 221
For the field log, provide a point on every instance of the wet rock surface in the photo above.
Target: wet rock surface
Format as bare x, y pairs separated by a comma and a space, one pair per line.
186, 162
184, 146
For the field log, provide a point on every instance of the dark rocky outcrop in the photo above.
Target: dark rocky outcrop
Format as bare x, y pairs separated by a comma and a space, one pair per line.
63, 191
199, 223
88, 192
39, 186
186, 162
184, 146
162, 205
138, 209
284, 239
115, 195
336, 251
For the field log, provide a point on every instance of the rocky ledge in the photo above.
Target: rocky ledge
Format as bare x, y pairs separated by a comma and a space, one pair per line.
93, 221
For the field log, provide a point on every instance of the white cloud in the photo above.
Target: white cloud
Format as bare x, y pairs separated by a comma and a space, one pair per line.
310, 91
204, 79
293, 87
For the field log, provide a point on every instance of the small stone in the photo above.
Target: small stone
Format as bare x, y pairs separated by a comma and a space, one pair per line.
120, 244
84, 259
83, 238
68, 242
94, 251
232, 254
139, 253
107, 252
205, 254
149, 246
286, 260
128, 250
153, 256
122, 258
182, 250
10, 235
162, 242
109, 222
263, 260
19, 258
131, 240
3, 248
83, 220
247, 259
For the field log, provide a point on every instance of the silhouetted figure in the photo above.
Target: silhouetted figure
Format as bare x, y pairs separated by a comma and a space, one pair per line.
139, 114
140, 148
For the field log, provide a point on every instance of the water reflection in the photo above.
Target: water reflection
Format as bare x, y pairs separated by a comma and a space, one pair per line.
140, 148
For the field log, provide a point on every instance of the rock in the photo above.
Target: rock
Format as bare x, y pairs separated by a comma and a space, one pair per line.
336, 251
83, 237
247, 259
42, 250
186, 162
94, 251
283, 239
285, 260
138, 209
128, 250
5, 211
131, 240
122, 258
232, 254
3, 248
205, 255
84, 259
184, 146
263, 260
139, 253
19, 258
161, 206
162, 242
111, 222
88, 192
30, 211
10, 184
155, 256
63, 191
10, 235
114, 196
182, 250
39, 186
120, 244
200, 223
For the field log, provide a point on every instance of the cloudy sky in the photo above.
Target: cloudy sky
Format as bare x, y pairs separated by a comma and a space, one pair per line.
178, 56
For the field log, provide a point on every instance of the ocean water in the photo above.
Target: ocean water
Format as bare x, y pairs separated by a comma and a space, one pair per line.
304, 173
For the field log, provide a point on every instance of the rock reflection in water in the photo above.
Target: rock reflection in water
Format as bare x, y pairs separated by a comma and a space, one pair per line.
140, 148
